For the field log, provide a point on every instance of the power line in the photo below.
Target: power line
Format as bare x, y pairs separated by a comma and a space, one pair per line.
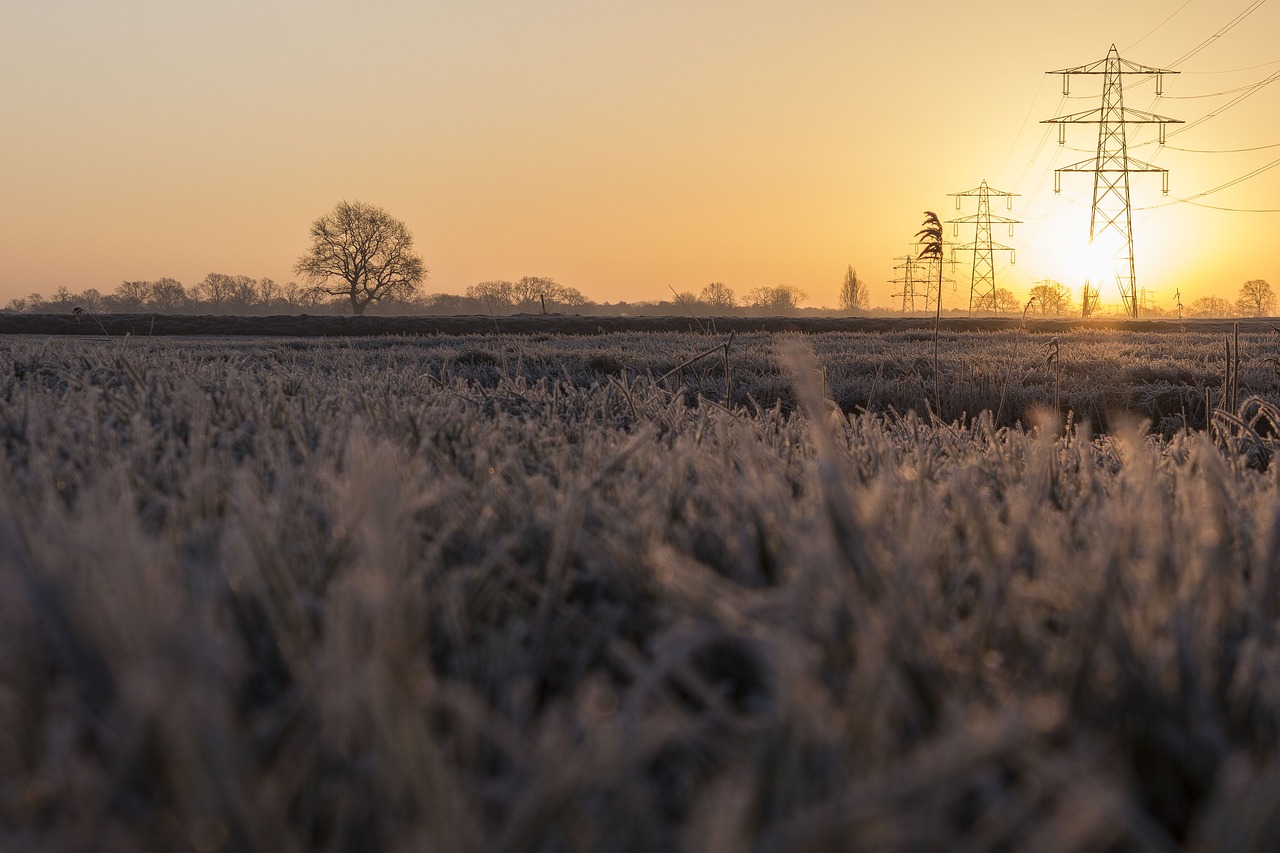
1023, 126
1228, 27
1238, 180
1158, 26
1249, 92
1217, 189
1234, 209
1238, 70
1222, 150
1210, 94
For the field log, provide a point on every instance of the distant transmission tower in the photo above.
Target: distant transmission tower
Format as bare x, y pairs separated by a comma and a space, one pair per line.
911, 270
933, 281
919, 280
1111, 221
1088, 299
982, 279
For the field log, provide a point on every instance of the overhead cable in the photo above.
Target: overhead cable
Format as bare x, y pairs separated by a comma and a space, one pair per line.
1226, 28
1217, 189
1157, 27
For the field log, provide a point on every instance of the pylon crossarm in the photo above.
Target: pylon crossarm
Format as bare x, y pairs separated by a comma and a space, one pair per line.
978, 217
1144, 117
980, 191
1100, 116
1130, 169
1130, 165
980, 247
1100, 67
1089, 165
1083, 117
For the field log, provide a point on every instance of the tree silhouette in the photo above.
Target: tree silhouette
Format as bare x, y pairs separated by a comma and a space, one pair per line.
783, 298
1257, 299
1054, 296
363, 253
1211, 306
853, 292
168, 295
718, 294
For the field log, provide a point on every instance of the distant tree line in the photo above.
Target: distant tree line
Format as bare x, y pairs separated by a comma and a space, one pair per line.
1255, 299
531, 293
219, 293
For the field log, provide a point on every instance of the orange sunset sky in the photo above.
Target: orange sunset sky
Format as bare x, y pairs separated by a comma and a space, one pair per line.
619, 147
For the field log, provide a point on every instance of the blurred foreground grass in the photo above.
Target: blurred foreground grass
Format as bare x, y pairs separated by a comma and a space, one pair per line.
519, 594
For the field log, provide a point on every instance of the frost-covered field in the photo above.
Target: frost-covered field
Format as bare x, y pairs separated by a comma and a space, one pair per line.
526, 594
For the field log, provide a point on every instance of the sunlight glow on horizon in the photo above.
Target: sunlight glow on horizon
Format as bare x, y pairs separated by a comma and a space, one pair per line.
620, 150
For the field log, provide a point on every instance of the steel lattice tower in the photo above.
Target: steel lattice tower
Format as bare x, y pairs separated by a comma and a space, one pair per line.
1111, 220
933, 281
915, 273
982, 278
910, 278
1088, 299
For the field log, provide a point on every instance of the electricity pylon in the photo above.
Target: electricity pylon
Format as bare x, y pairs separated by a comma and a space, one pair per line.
911, 268
917, 272
1088, 299
982, 278
1111, 220
933, 281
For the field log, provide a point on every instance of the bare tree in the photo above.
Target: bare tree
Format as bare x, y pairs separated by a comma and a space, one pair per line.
1054, 297
270, 295
228, 293
853, 292
1256, 299
243, 293
63, 300
299, 296
168, 295
361, 252
1211, 306
718, 294
571, 296
215, 289
685, 298
92, 300
494, 294
780, 297
533, 290
129, 296
1004, 301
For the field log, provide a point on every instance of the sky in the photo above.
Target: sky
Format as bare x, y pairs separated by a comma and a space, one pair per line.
623, 148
